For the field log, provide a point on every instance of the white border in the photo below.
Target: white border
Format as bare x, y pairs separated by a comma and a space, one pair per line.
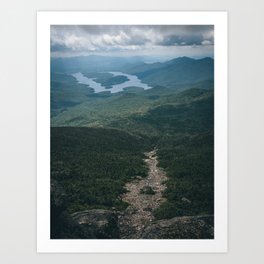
45, 19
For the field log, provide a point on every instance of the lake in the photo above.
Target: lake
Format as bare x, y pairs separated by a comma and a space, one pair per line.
98, 88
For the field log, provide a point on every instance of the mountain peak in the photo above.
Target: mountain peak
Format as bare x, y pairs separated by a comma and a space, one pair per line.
184, 58
207, 59
180, 60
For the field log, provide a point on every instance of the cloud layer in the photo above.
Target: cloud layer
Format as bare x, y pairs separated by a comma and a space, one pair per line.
133, 40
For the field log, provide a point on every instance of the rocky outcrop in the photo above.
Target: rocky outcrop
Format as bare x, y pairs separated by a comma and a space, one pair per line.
103, 223
185, 227
63, 225
136, 222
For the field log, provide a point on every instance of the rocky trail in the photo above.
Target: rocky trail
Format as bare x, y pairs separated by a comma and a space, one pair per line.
144, 196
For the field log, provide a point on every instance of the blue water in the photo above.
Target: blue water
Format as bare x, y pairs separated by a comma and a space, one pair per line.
98, 88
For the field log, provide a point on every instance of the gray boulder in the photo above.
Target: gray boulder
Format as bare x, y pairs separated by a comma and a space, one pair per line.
185, 227
103, 223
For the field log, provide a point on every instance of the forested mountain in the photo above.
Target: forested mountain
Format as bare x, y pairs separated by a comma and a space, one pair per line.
98, 141
179, 71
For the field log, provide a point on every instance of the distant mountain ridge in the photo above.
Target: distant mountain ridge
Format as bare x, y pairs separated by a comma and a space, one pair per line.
172, 73
92, 63
178, 71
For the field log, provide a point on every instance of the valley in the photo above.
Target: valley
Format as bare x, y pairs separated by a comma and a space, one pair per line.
124, 159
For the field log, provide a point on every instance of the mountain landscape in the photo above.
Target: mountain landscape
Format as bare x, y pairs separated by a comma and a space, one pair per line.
132, 147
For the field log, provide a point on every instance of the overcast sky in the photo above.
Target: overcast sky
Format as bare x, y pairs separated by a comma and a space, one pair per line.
129, 40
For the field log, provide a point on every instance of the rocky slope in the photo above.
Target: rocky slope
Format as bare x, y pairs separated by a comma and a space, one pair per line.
137, 221
185, 227
144, 196
104, 224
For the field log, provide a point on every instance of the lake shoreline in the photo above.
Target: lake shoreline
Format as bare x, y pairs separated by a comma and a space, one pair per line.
133, 81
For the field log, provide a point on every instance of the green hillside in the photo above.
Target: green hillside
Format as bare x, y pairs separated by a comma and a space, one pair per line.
102, 108
179, 71
182, 129
181, 126
66, 92
92, 165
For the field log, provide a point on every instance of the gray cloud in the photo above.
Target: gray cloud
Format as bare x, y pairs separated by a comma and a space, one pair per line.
98, 39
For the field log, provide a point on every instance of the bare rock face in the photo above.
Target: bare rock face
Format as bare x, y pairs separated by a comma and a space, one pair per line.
103, 223
185, 227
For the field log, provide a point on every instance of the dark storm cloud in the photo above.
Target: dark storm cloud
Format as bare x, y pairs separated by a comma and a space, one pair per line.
186, 35
59, 48
107, 38
181, 40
